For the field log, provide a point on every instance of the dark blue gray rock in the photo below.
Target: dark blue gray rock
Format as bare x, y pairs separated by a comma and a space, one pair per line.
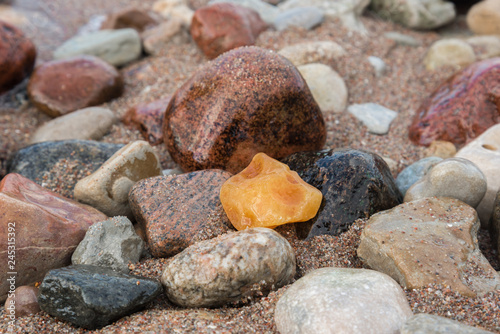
305, 17
415, 172
424, 323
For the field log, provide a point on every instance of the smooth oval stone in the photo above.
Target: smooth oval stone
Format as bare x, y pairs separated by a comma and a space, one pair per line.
266, 11
248, 100
268, 194
342, 300
230, 268
424, 323
312, 52
461, 108
449, 52
23, 301
483, 18
415, 172
305, 17
375, 117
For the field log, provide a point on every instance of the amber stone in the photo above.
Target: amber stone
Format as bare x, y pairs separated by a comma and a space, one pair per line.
268, 194
462, 108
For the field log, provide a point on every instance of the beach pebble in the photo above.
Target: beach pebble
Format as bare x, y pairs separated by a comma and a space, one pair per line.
441, 148
233, 267
131, 17
375, 117
157, 39
172, 171
112, 243
62, 86
93, 297
494, 224
223, 26
177, 211
402, 39
342, 300
430, 323
348, 192
415, 172
107, 188
47, 226
24, 301
214, 120
11, 15
327, 86
304, 17
485, 47
312, 52
449, 52
454, 177
17, 56
267, 12
430, 240
484, 18
88, 123
148, 119
379, 66
174, 9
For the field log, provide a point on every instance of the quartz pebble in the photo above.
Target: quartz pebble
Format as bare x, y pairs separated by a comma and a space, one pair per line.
375, 117
429, 323
483, 18
268, 194
449, 52
415, 172
231, 268
312, 52
304, 17
23, 301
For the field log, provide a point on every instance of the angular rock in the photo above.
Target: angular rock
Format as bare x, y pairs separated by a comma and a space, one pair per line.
332, 300
415, 172
93, 297
22, 302
304, 17
375, 117
430, 323
312, 52
449, 52
224, 26
230, 268
268, 194
88, 123
494, 224
47, 228
484, 18
174, 9
461, 108
62, 86
429, 241
267, 12
116, 47
112, 244
455, 178
17, 56
131, 17
148, 118
441, 148
248, 100
156, 40
484, 152
176, 211
355, 184
108, 187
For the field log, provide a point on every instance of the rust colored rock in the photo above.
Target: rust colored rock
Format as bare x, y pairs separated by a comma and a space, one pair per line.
62, 86
462, 108
134, 18
148, 118
47, 228
179, 210
224, 26
268, 194
23, 301
17, 56
248, 100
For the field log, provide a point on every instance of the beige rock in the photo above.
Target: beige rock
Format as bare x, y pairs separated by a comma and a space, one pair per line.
312, 52
484, 18
431, 240
442, 149
449, 52
12, 16
108, 187
485, 47
156, 39
174, 8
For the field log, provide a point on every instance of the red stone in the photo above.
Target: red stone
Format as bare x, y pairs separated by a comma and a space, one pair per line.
25, 301
134, 18
62, 86
46, 228
248, 100
148, 118
462, 108
17, 56
221, 27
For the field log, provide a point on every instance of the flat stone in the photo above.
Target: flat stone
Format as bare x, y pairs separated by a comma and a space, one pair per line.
433, 324
375, 117
112, 244
148, 118
108, 187
461, 108
61, 86
266, 11
342, 300
429, 241
47, 228
229, 268
22, 302
130, 17
215, 120
348, 192
483, 18
303, 17
402, 39
177, 211
415, 172
157, 40
494, 224
449, 52
93, 297
312, 52
88, 123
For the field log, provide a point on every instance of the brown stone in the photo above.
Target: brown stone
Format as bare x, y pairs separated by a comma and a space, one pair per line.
179, 210
47, 228
24, 301
148, 119
223, 26
62, 86
462, 108
17, 56
131, 17
248, 100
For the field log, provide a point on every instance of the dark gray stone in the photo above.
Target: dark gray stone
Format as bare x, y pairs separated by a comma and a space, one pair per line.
424, 323
495, 224
93, 297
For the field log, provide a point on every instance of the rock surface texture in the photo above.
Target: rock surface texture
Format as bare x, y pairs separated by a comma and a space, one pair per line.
24, 300
415, 172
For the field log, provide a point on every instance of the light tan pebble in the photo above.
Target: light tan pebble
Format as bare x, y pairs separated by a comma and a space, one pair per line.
442, 149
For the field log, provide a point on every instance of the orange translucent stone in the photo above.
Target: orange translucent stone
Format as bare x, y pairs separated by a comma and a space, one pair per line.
267, 194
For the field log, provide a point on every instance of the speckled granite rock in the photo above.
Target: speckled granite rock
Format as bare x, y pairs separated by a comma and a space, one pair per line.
424, 323
148, 118
93, 297
355, 184
178, 210
415, 172
24, 301
248, 100
230, 268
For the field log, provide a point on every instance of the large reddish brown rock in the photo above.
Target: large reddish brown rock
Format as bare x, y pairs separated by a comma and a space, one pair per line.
248, 100
46, 228
178, 210
23, 301
462, 108
224, 26
17, 56
131, 17
148, 118
61, 86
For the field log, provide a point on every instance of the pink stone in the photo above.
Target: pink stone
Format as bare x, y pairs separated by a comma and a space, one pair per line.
24, 300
